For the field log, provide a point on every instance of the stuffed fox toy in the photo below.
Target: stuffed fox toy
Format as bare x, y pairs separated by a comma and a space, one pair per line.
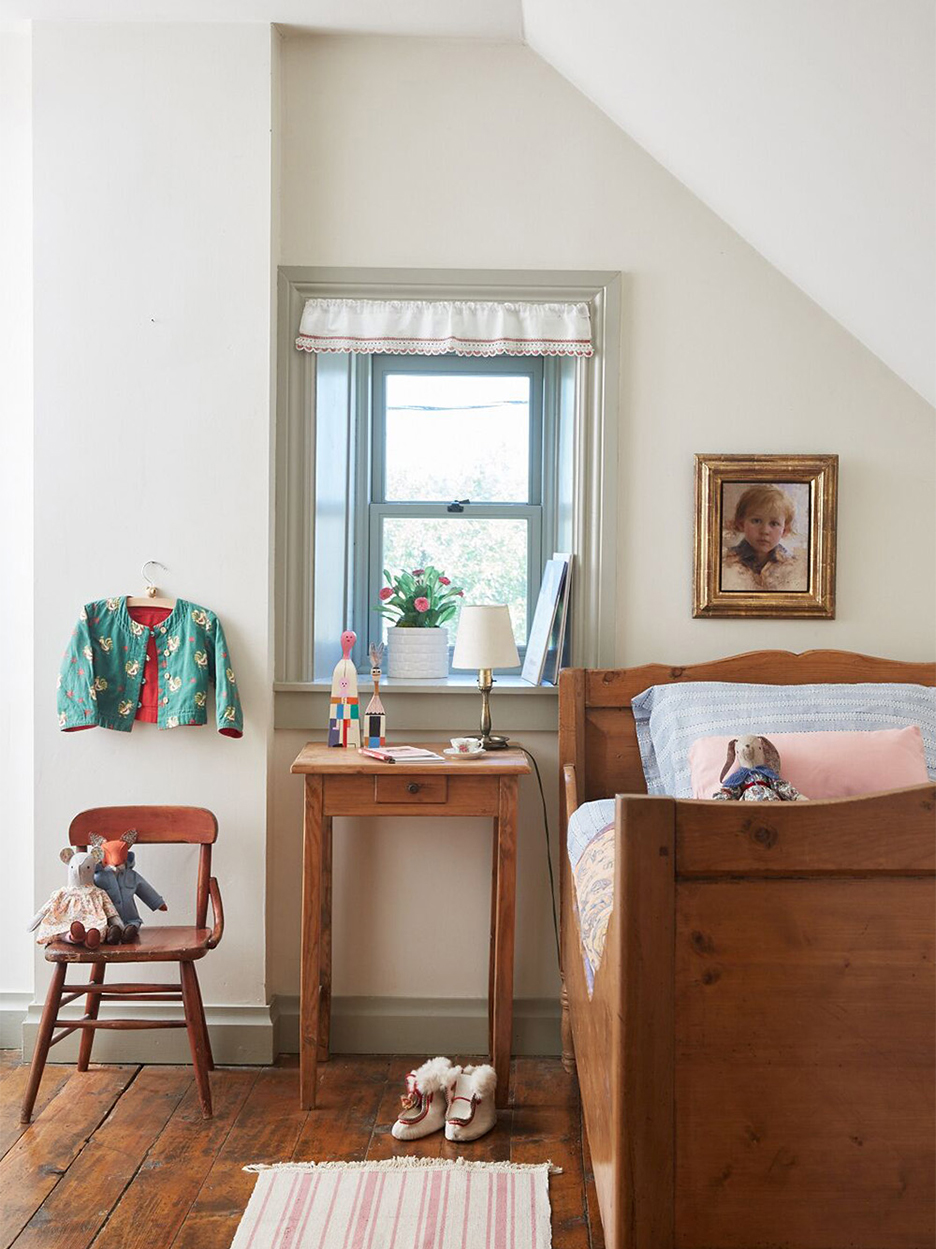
122, 883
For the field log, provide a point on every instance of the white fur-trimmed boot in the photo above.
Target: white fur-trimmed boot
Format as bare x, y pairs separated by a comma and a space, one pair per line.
422, 1106
470, 1097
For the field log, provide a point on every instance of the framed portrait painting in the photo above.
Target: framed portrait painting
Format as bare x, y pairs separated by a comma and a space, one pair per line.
765, 535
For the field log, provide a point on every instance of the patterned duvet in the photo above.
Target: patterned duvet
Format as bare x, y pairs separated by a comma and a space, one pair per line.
590, 846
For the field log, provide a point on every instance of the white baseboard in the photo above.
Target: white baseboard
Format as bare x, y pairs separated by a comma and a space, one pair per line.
240, 1035
12, 1014
254, 1035
409, 1025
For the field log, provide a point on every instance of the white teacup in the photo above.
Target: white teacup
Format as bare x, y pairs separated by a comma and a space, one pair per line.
467, 745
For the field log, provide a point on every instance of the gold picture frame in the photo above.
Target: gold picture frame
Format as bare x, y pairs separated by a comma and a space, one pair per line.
765, 535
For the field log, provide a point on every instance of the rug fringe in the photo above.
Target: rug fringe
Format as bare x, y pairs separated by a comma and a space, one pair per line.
403, 1163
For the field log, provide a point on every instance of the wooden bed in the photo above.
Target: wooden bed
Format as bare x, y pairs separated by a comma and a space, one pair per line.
757, 1062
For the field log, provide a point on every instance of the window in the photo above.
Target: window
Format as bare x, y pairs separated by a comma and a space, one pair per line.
527, 440
461, 454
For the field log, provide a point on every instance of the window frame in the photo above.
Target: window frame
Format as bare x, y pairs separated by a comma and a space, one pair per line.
539, 511
592, 523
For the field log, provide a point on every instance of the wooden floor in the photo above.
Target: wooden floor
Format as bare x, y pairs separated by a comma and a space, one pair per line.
119, 1157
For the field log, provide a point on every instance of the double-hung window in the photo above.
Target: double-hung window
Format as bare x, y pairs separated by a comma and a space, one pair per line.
461, 477
433, 431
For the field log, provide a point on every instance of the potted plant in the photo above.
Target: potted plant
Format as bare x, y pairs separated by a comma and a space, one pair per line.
418, 603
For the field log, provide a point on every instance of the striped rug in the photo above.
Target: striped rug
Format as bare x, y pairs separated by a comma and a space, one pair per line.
402, 1203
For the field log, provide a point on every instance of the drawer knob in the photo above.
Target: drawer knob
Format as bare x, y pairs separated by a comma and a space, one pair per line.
414, 787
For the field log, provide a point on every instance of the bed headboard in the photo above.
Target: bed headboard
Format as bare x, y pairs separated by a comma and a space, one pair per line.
596, 724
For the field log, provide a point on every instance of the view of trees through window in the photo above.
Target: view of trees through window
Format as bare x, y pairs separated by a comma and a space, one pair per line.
460, 436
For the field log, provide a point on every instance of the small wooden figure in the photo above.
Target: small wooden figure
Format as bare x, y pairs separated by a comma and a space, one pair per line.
344, 713
375, 718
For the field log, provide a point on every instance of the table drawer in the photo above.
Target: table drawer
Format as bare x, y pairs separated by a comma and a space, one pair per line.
410, 789
391, 795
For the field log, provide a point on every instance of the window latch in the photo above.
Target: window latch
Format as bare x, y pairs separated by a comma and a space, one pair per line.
456, 505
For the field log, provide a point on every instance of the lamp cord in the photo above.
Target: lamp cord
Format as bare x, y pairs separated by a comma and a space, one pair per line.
552, 883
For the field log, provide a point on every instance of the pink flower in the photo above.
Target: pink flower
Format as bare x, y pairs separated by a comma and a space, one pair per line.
418, 572
421, 604
385, 593
444, 581
461, 593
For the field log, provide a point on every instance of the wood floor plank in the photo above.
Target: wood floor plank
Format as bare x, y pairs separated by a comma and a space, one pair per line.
154, 1205
45, 1151
350, 1091
12, 1087
547, 1128
267, 1129
80, 1203
591, 1194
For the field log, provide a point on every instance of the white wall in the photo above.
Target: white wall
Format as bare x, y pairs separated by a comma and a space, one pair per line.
429, 153
152, 299
808, 126
16, 496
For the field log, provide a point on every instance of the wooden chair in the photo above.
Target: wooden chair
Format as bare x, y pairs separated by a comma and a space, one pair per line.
157, 943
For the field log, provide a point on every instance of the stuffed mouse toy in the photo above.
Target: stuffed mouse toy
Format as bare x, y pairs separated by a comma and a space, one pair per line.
80, 912
752, 773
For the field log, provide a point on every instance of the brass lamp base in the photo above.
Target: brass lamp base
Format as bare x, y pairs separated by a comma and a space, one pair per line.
489, 740
494, 743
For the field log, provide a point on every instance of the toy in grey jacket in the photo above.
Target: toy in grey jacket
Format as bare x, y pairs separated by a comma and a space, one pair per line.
123, 884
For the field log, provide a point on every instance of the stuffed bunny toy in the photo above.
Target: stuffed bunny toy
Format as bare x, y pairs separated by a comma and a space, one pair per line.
80, 912
752, 773
122, 883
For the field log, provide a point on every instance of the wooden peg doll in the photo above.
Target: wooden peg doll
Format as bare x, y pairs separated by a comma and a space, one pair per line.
375, 718
344, 714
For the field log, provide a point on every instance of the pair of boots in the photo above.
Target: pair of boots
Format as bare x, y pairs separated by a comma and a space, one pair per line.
439, 1094
91, 937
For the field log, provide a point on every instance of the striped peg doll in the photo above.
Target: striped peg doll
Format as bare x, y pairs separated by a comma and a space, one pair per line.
344, 713
375, 718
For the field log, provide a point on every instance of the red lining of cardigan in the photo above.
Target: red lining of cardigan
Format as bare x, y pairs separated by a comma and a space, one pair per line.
149, 617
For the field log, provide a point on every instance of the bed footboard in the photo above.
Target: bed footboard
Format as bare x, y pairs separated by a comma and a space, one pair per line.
756, 1063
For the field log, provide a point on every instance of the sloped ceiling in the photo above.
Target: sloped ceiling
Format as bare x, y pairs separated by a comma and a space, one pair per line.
807, 125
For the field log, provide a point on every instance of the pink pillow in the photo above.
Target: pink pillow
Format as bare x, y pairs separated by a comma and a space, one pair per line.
825, 765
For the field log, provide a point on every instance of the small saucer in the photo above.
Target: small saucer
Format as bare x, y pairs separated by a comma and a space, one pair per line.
452, 753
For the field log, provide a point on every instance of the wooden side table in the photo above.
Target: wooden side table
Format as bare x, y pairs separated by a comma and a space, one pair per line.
342, 782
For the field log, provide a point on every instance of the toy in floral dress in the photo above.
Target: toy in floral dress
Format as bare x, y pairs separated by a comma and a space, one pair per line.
80, 912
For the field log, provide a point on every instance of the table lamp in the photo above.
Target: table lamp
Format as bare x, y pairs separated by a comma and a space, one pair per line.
485, 641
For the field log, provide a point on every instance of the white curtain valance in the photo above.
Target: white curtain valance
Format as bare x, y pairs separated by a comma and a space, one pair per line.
416, 327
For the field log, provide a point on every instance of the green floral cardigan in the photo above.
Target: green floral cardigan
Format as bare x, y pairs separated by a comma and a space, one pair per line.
102, 670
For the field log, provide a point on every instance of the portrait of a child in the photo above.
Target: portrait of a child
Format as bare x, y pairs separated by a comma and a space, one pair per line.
763, 547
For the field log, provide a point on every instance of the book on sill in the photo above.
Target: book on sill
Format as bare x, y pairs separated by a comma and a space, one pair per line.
401, 754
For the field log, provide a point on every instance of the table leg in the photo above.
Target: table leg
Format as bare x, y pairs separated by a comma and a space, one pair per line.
493, 942
504, 927
310, 976
325, 958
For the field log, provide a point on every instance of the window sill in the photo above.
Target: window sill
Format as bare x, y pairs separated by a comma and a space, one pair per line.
418, 706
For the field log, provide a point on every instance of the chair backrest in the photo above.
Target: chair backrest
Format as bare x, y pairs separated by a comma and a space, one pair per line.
169, 825
193, 825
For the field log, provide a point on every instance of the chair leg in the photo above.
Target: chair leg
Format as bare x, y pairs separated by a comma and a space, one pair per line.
204, 1025
195, 1023
43, 1037
92, 1006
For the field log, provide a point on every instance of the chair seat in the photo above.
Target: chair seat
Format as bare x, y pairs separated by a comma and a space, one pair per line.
156, 943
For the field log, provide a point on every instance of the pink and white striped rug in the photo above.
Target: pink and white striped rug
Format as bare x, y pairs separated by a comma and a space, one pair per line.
403, 1203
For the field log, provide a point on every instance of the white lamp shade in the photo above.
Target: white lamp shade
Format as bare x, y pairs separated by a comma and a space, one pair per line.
485, 638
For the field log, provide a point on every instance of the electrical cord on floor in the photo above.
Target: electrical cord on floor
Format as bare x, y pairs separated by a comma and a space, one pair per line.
552, 883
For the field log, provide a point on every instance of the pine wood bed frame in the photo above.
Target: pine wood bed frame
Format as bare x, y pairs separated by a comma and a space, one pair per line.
757, 1061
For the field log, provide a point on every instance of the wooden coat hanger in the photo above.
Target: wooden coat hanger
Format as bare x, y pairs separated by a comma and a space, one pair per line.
152, 598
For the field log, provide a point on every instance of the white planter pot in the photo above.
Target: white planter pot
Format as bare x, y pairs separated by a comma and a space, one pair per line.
417, 654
